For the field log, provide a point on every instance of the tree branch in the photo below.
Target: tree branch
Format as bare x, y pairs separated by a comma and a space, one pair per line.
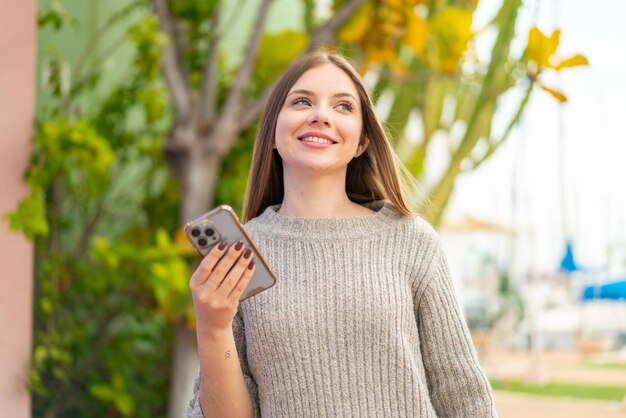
91, 47
230, 21
173, 69
234, 98
253, 109
210, 78
325, 34
181, 46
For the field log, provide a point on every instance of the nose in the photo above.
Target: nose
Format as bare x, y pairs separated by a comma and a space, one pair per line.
320, 115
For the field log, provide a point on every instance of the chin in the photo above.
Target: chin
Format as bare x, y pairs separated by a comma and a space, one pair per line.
323, 169
317, 166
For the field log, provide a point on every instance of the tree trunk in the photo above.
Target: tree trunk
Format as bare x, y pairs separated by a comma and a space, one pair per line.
197, 181
184, 368
197, 169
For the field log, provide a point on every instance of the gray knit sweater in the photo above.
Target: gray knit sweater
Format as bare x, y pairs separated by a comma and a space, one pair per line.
362, 322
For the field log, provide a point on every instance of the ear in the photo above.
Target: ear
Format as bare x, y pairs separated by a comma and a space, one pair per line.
362, 146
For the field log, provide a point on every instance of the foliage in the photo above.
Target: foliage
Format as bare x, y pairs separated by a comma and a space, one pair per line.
56, 16
277, 50
194, 18
109, 277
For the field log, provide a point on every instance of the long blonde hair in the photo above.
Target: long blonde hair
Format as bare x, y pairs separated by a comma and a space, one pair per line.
374, 175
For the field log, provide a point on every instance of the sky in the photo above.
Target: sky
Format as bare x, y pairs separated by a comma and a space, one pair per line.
583, 140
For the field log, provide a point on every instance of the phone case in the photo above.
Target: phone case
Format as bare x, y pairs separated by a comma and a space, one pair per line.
222, 223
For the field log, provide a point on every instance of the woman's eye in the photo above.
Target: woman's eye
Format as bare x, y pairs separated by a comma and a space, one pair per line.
346, 106
301, 101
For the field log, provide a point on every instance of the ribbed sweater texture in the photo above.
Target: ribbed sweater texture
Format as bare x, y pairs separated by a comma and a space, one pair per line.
362, 322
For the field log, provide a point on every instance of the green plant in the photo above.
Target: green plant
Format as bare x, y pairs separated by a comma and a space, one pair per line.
102, 213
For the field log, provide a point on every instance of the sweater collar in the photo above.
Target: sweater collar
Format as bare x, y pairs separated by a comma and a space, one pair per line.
328, 228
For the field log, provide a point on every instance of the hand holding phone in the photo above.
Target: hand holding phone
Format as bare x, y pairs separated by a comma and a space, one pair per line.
218, 283
221, 225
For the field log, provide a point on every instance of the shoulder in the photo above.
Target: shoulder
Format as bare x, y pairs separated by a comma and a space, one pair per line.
409, 231
422, 249
262, 220
428, 235
252, 224
418, 232
265, 227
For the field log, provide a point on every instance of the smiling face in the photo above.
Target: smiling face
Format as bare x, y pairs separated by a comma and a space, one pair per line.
320, 125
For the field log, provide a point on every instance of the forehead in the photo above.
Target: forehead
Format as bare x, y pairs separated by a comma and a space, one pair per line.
325, 79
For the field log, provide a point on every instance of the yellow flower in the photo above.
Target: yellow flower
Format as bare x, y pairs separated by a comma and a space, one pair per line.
452, 31
541, 53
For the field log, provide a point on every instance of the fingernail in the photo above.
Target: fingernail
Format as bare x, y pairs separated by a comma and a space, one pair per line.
251, 265
239, 245
247, 253
222, 245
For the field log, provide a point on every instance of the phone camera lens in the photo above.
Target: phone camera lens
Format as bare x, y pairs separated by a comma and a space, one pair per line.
209, 232
202, 242
195, 232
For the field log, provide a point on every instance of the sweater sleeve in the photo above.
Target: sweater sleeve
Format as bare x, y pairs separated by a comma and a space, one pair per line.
457, 385
194, 410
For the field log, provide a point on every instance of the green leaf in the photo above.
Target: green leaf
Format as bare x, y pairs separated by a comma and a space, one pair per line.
56, 16
102, 391
125, 403
30, 216
115, 393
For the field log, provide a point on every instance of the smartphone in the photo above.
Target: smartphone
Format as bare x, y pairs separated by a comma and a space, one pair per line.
222, 223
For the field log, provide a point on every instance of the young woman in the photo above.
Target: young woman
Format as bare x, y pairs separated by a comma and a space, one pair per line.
363, 320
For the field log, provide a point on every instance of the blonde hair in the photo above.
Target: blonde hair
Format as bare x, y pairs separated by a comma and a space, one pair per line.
374, 175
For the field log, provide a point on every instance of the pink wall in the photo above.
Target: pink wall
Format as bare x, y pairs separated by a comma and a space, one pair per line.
17, 107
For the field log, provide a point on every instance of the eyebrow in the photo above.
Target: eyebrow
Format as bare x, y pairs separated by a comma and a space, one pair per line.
310, 93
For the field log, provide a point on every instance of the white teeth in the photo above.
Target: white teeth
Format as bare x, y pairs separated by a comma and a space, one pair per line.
316, 139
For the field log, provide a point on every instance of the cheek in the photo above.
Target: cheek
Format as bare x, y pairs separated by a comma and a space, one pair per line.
280, 130
353, 128
283, 131
283, 125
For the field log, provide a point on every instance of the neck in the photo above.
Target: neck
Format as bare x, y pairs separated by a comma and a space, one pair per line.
309, 195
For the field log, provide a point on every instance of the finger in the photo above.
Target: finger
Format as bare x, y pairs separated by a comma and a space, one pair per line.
243, 282
207, 264
235, 273
224, 265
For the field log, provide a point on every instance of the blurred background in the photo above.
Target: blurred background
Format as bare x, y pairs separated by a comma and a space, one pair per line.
508, 113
